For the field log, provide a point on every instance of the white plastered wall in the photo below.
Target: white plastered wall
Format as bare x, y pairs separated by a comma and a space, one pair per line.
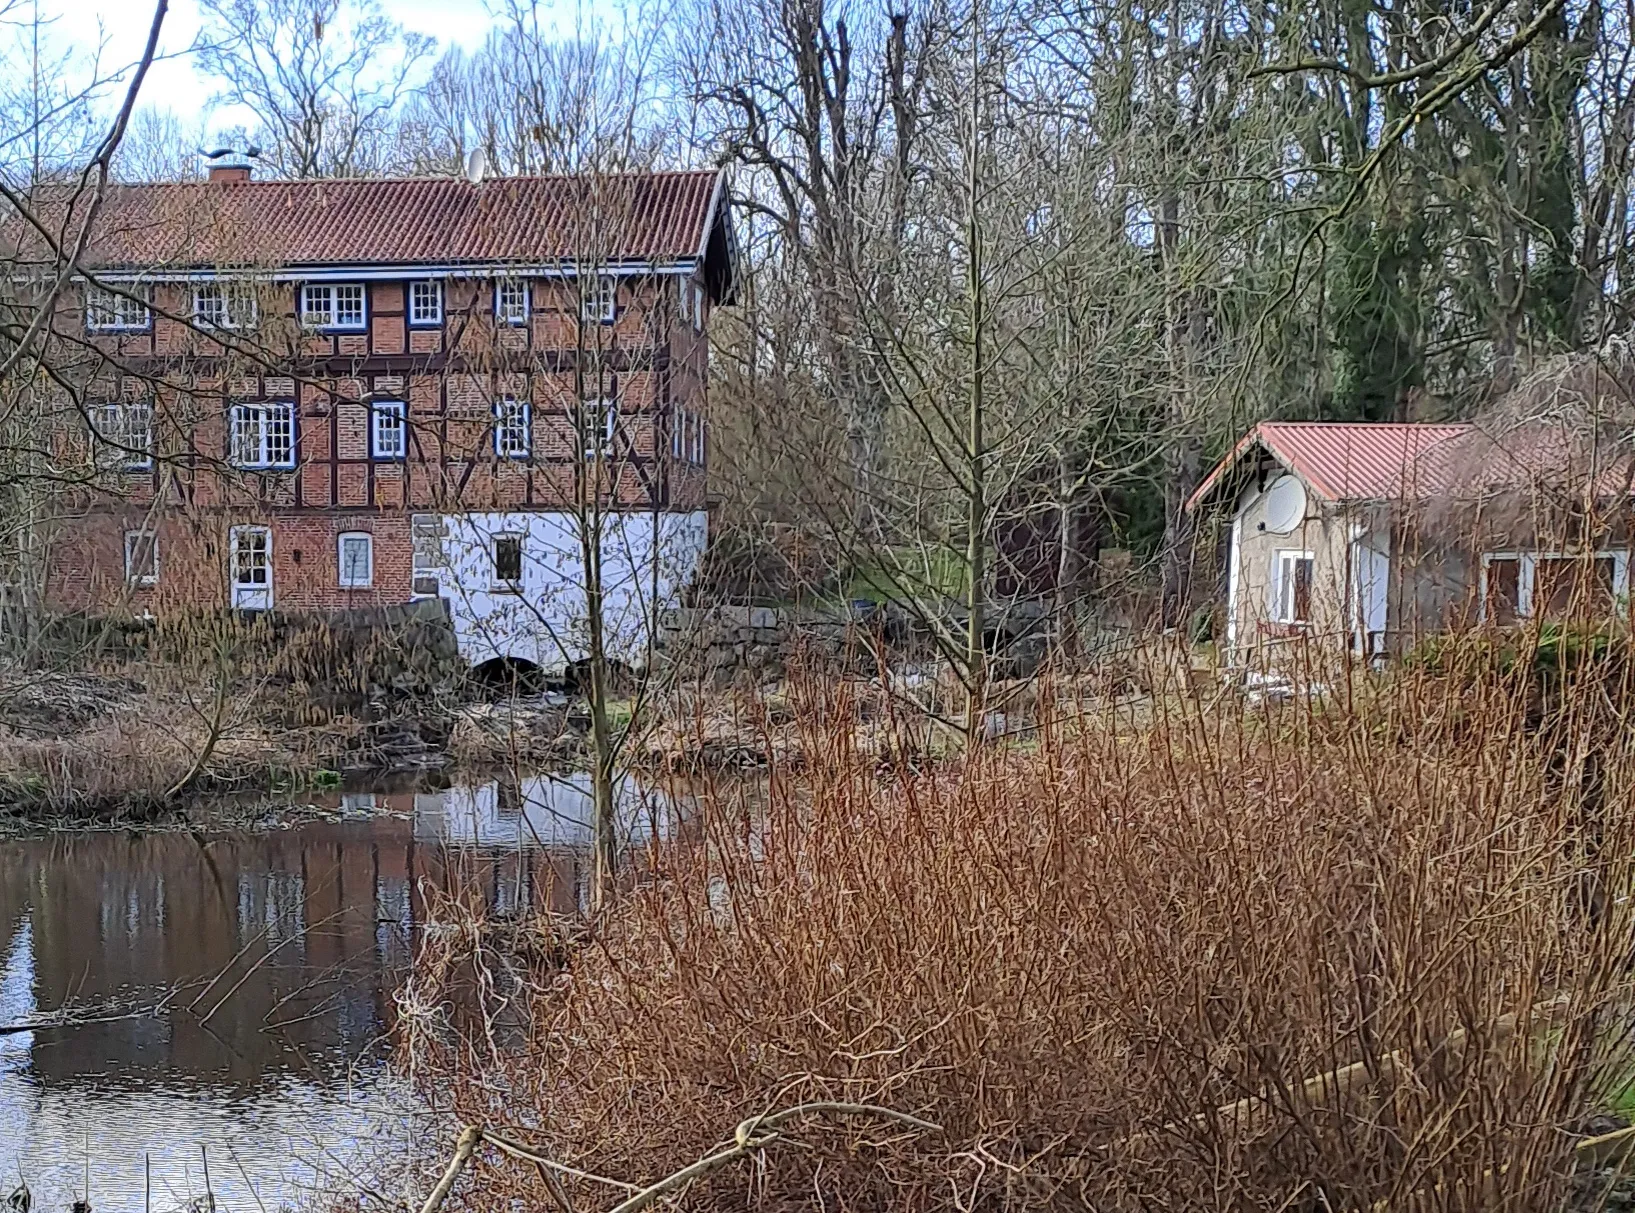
647, 561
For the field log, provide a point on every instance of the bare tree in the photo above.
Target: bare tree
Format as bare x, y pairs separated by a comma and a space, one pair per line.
323, 77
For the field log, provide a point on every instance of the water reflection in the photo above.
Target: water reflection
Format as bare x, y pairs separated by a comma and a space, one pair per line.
278, 1066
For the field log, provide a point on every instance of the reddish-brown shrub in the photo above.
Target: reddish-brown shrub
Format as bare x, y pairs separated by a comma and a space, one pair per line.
1075, 952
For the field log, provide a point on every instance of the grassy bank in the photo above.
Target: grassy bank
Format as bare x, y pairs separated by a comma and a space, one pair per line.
1105, 962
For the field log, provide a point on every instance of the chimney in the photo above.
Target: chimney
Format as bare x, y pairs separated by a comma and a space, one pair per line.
230, 164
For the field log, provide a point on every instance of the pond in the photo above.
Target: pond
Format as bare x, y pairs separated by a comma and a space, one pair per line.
275, 955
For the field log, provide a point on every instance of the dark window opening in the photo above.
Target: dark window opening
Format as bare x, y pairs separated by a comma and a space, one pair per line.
508, 559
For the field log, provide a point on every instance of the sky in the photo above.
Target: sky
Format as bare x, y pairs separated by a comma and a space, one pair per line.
121, 27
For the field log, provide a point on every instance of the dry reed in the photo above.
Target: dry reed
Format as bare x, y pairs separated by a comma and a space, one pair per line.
1105, 960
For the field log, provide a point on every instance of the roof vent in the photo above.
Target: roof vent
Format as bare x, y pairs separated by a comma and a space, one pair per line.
230, 163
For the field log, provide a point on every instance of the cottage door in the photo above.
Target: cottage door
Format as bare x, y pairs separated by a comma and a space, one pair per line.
252, 568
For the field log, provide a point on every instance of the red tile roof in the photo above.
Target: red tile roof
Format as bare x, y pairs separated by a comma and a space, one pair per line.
1345, 461
428, 220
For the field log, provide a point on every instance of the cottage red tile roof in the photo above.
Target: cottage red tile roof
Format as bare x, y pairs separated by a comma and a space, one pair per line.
664, 216
1346, 461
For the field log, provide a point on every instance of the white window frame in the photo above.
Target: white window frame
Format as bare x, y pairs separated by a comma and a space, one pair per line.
108, 311
698, 308
132, 577
497, 583
599, 298
325, 316
116, 423
427, 558
354, 582
379, 410
433, 314
263, 415
513, 311
606, 407
678, 427
230, 307
1527, 574
508, 427
1283, 587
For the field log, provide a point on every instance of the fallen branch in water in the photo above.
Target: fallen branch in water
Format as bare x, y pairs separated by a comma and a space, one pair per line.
753, 1134
69, 1017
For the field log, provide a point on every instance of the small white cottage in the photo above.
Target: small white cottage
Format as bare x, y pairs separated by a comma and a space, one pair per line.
1369, 536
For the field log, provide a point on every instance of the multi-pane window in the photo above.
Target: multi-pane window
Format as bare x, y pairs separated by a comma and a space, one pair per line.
428, 532
599, 423
218, 305
125, 434
262, 435
336, 305
511, 301
687, 436
513, 436
141, 558
425, 302
1294, 581
357, 560
600, 298
508, 561
388, 430
112, 311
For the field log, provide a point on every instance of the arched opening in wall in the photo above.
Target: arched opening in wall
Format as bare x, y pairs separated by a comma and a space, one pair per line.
502, 677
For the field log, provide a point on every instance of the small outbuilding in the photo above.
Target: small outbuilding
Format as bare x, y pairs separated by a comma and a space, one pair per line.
1371, 536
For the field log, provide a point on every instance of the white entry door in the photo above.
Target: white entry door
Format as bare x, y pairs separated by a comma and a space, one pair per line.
252, 568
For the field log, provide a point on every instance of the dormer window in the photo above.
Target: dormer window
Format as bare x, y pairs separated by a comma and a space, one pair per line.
220, 306
334, 306
511, 301
425, 302
117, 311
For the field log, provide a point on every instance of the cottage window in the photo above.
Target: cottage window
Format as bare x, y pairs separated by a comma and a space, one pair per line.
426, 302
511, 301
513, 435
332, 305
1294, 581
262, 435
125, 434
388, 430
600, 301
678, 426
357, 560
1572, 585
684, 300
598, 423
141, 558
219, 306
698, 309
508, 561
115, 311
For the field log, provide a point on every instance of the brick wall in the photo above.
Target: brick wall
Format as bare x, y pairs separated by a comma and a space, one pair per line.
87, 561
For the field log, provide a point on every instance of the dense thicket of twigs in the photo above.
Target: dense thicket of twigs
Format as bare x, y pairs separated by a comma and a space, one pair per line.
1077, 955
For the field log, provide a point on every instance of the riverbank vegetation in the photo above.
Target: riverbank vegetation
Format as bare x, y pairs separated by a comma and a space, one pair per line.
1366, 947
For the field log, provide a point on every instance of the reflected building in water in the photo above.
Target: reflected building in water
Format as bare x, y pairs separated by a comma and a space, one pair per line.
288, 946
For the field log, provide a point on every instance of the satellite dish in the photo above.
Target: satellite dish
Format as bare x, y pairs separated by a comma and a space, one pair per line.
476, 165
1285, 505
